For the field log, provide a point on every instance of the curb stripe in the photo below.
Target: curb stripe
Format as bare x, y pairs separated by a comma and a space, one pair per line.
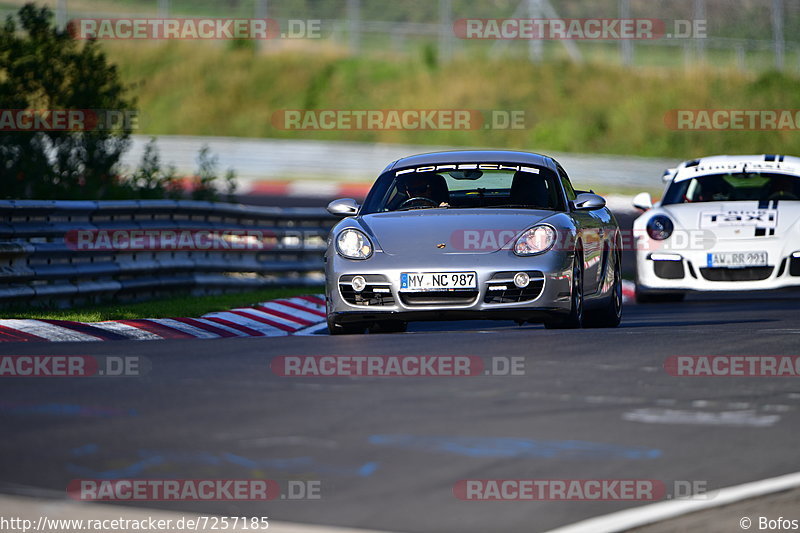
250, 332
251, 323
308, 304
209, 323
86, 329
129, 332
49, 332
299, 307
263, 320
162, 331
287, 316
19, 335
194, 332
314, 300
291, 323
207, 327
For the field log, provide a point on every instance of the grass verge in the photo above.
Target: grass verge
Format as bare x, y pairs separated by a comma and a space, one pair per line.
180, 306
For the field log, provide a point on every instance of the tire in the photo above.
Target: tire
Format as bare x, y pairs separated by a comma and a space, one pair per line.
337, 328
610, 315
574, 319
643, 297
389, 326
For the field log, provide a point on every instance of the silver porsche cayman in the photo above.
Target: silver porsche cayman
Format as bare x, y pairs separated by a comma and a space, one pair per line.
498, 235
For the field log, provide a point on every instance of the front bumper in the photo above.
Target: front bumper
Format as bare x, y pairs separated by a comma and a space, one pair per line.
689, 270
547, 295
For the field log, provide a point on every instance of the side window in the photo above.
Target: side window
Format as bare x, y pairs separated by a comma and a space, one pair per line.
566, 184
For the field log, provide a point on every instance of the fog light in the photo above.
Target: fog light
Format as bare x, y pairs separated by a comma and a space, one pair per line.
521, 280
359, 283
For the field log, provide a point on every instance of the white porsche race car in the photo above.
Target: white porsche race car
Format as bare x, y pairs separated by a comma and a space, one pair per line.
725, 223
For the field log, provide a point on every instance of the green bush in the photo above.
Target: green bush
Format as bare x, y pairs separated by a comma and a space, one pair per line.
43, 69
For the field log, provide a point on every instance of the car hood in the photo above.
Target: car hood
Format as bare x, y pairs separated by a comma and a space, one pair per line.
737, 220
449, 231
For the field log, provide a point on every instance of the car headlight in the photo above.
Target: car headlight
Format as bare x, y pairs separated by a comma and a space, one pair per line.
353, 244
535, 240
660, 227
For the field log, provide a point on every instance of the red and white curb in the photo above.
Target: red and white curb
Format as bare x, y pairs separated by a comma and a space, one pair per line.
301, 315
628, 292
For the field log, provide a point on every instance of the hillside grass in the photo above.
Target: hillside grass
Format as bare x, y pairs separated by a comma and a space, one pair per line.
195, 88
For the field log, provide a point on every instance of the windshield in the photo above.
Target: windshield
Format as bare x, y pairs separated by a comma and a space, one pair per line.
502, 187
738, 186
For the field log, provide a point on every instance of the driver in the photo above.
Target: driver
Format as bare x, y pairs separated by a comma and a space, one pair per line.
782, 188
426, 187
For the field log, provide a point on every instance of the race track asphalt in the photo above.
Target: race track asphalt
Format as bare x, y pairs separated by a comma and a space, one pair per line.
591, 404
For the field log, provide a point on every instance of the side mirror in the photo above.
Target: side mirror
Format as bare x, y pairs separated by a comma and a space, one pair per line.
343, 207
643, 201
588, 201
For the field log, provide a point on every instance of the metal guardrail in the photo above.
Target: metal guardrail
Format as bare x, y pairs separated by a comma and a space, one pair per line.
41, 264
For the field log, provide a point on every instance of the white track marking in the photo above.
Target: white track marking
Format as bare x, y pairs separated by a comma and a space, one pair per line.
658, 512
701, 418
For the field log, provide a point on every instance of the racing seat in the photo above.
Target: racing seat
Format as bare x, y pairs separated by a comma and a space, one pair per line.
529, 190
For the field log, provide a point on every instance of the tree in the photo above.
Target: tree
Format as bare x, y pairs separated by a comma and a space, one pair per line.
43, 69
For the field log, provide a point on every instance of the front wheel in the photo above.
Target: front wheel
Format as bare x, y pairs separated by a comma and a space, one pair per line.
574, 319
338, 328
610, 315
